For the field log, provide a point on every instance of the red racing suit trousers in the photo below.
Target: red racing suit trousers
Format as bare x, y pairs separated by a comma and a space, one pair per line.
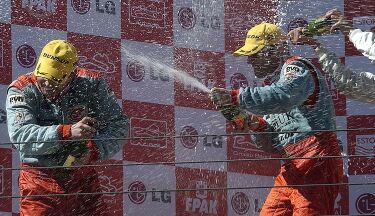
36, 181
313, 200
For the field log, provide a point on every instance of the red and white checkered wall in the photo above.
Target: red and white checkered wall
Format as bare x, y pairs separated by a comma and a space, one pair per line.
196, 36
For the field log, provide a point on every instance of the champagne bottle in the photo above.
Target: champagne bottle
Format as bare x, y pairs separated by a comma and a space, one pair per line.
76, 150
318, 27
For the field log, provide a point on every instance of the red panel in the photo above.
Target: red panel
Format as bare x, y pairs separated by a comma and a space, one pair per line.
111, 180
5, 54
150, 120
241, 15
200, 202
207, 67
5, 179
147, 21
100, 54
242, 147
42, 13
361, 143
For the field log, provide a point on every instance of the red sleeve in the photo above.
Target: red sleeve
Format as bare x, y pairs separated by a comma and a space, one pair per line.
64, 132
235, 96
262, 125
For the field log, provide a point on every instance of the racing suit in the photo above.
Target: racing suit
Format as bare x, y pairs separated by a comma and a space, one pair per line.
298, 100
38, 128
358, 86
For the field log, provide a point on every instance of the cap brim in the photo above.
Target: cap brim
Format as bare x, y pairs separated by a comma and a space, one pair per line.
249, 49
48, 72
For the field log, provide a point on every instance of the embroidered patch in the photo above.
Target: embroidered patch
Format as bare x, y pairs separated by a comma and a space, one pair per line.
19, 117
77, 113
16, 100
292, 71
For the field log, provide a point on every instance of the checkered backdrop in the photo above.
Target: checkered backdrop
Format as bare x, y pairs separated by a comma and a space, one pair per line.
196, 36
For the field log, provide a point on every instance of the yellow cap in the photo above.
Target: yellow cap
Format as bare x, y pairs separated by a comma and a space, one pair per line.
57, 61
261, 35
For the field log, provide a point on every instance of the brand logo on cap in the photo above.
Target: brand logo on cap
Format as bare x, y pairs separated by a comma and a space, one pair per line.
253, 36
55, 58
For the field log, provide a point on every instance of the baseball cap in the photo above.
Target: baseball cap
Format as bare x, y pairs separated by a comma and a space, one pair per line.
261, 35
57, 61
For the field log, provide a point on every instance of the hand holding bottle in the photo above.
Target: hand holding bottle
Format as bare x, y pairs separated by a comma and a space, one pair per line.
339, 21
298, 37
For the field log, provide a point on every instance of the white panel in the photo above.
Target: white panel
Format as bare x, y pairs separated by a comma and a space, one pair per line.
147, 72
5, 8
99, 17
191, 121
362, 197
141, 178
247, 202
199, 24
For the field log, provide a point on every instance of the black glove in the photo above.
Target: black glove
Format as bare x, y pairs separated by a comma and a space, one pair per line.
237, 116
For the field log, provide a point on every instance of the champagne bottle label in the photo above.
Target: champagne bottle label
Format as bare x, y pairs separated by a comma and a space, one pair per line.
69, 161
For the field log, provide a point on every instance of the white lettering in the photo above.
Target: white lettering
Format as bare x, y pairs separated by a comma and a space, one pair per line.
40, 5
213, 207
188, 204
204, 207
365, 139
197, 205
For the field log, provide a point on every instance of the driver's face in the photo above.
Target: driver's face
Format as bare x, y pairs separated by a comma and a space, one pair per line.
265, 62
51, 89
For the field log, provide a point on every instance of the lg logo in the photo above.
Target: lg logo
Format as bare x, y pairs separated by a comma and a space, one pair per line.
189, 137
186, 18
138, 194
240, 203
136, 72
26, 56
83, 6
365, 204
